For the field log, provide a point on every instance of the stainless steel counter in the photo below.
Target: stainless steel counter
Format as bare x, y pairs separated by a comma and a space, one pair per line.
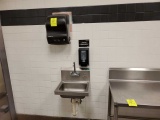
145, 92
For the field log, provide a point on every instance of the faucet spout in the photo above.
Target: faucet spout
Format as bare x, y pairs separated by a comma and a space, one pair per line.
74, 67
74, 73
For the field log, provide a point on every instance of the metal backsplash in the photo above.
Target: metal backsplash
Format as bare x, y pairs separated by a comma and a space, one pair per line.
84, 75
134, 73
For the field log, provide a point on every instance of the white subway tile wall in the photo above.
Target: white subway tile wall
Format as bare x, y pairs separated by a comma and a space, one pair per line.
35, 65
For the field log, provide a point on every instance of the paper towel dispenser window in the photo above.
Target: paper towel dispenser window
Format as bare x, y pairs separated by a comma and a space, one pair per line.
57, 28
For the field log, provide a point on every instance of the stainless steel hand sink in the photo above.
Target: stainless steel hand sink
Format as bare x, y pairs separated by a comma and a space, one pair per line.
73, 89
73, 86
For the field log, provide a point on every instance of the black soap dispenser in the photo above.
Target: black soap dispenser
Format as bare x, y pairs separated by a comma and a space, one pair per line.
57, 28
83, 57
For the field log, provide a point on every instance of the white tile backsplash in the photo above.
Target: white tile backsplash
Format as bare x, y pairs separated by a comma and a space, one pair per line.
35, 66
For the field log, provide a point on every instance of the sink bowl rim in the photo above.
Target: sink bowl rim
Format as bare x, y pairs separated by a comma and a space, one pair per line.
72, 93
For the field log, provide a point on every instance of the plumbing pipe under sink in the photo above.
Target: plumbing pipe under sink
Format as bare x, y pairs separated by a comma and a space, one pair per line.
75, 105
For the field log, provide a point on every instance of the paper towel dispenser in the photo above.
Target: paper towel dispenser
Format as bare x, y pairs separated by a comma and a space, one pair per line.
57, 28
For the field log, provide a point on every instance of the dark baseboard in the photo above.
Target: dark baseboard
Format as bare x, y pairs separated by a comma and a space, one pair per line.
37, 117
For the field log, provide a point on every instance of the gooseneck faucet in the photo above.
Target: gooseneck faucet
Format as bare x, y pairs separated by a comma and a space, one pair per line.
74, 73
74, 65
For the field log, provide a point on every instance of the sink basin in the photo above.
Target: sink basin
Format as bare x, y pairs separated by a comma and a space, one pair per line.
73, 85
73, 89
70, 87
